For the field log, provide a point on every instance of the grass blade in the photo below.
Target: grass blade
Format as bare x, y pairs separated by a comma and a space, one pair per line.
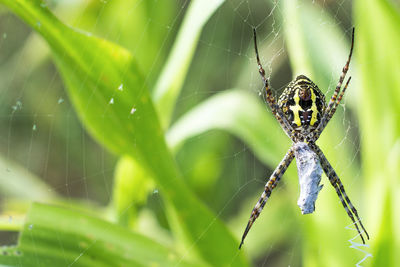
379, 112
126, 122
173, 75
54, 236
239, 113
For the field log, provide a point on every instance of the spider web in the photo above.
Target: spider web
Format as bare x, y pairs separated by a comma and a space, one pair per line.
40, 130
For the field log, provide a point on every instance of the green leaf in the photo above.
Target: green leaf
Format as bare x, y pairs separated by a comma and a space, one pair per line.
245, 116
165, 94
111, 99
173, 75
55, 236
378, 51
18, 182
308, 44
131, 187
241, 114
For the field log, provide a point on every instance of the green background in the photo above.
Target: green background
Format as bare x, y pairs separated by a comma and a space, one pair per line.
133, 133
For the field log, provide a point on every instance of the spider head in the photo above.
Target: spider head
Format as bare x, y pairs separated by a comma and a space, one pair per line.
303, 104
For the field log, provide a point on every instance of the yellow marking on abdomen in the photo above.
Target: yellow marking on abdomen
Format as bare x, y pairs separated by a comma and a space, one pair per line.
313, 108
296, 108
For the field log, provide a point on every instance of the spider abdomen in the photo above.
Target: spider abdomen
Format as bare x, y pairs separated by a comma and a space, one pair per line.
303, 104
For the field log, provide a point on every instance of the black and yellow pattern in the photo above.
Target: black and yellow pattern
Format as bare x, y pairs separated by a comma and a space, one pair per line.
303, 104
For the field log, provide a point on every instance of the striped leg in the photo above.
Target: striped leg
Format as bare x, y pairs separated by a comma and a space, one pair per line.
333, 110
270, 98
269, 186
337, 184
333, 101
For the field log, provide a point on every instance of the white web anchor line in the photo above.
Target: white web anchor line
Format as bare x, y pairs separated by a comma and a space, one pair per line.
357, 246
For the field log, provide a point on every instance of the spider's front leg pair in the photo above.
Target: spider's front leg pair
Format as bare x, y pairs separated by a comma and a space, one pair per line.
303, 115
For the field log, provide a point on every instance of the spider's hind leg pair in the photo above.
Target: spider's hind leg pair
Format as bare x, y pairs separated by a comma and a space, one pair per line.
303, 115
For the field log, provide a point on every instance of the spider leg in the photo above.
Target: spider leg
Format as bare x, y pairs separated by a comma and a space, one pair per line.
332, 103
333, 110
269, 186
337, 184
269, 98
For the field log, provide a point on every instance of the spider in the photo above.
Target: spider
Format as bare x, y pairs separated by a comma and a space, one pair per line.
303, 114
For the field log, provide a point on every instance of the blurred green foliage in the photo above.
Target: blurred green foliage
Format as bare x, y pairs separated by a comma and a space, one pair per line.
147, 144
